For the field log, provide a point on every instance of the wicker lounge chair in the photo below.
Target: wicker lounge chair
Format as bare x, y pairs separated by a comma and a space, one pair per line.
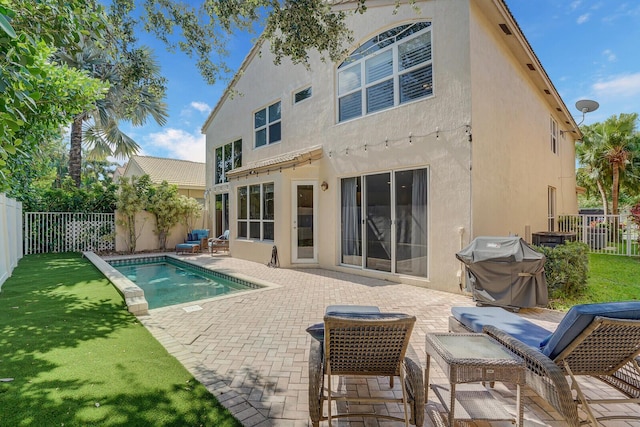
220, 243
598, 340
365, 345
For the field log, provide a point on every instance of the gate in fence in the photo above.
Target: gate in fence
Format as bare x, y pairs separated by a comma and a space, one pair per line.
46, 232
605, 234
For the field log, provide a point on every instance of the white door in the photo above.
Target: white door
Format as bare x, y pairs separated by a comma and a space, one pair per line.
304, 233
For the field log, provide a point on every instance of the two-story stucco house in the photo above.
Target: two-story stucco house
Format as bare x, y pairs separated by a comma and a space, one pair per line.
438, 127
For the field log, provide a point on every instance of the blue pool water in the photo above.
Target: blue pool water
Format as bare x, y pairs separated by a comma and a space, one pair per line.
166, 284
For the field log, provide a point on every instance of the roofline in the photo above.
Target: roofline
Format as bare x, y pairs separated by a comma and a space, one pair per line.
247, 59
504, 10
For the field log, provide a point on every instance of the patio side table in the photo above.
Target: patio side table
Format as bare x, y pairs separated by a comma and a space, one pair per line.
472, 358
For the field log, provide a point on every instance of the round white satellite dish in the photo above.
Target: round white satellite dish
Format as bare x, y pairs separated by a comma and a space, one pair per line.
587, 105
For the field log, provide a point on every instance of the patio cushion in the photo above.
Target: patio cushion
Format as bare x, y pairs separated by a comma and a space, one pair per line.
317, 330
199, 234
475, 318
580, 316
342, 309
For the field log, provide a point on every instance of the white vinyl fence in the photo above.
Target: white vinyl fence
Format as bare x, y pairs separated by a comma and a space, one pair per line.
10, 236
46, 232
605, 234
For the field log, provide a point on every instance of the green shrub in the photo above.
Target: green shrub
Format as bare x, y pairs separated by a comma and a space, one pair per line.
566, 269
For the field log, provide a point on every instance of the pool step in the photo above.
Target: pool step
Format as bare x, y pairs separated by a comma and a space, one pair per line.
137, 305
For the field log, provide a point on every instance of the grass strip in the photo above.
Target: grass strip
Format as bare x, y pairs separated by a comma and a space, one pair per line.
78, 357
611, 278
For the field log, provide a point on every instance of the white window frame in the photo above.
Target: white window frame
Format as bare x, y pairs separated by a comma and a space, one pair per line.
267, 125
553, 135
261, 220
217, 179
309, 88
395, 76
551, 208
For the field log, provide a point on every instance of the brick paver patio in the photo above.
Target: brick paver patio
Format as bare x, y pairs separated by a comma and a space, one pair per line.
251, 350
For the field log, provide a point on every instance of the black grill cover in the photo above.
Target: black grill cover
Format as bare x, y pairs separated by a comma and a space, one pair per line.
504, 271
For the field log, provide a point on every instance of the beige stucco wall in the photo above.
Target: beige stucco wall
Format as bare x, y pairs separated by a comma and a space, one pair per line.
147, 239
506, 116
513, 164
313, 123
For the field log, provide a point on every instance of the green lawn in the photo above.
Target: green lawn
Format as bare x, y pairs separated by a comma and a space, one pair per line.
78, 358
611, 278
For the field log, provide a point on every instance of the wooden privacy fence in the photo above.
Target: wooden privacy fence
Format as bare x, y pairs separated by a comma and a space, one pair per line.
46, 232
605, 234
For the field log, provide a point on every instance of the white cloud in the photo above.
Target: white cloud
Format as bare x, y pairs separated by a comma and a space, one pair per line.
177, 144
626, 85
609, 55
575, 4
201, 106
195, 106
583, 18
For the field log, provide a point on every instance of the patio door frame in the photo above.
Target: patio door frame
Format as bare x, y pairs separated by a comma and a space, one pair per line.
295, 259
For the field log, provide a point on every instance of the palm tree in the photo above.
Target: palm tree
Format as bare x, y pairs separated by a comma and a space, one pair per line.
136, 93
608, 151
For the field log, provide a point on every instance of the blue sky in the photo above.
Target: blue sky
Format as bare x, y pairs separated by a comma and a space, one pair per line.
589, 49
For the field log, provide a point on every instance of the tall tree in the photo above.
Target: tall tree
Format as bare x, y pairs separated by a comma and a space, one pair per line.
135, 93
610, 151
38, 96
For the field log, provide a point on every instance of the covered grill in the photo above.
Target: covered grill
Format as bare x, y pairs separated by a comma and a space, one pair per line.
504, 271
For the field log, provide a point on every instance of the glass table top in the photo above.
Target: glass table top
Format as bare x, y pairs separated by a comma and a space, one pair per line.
472, 346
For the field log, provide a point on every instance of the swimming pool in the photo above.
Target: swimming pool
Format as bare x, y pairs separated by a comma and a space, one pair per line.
167, 281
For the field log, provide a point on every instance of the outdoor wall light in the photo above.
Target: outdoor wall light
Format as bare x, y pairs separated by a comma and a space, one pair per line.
324, 186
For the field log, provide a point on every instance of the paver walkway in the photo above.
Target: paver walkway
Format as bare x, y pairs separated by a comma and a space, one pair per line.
251, 350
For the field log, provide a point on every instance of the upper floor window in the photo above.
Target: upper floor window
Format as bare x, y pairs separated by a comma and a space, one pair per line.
228, 157
266, 124
553, 129
392, 68
301, 95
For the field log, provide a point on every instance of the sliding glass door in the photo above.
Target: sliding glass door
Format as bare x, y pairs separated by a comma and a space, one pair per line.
378, 224
351, 221
384, 222
411, 222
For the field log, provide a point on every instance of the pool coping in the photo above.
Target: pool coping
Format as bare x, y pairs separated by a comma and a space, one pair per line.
134, 295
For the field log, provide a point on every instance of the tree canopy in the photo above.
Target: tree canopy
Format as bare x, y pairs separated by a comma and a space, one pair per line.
609, 159
293, 27
39, 96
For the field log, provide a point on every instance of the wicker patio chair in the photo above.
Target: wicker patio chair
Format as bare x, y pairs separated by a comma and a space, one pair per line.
606, 349
220, 243
365, 345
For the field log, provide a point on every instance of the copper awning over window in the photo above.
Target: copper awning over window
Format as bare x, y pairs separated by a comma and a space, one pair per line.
276, 163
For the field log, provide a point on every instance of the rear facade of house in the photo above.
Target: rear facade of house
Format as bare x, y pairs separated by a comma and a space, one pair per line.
438, 127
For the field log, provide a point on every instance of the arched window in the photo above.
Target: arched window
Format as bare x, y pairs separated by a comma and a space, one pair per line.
392, 68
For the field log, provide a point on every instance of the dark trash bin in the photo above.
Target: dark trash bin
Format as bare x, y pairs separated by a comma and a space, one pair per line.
504, 271
552, 238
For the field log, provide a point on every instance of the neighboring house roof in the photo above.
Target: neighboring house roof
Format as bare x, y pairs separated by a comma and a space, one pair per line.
118, 172
497, 11
183, 173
